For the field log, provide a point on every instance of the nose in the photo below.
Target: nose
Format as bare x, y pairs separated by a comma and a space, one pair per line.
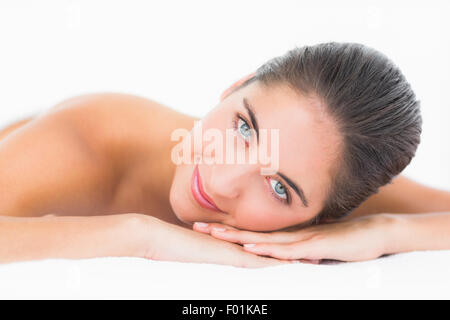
231, 180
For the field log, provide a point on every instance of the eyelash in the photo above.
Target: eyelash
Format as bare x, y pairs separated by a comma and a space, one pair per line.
235, 122
288, 196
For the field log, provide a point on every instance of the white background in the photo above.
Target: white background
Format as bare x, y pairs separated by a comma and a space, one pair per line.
185, 53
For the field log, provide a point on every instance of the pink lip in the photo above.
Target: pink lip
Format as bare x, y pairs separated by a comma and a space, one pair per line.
199, 194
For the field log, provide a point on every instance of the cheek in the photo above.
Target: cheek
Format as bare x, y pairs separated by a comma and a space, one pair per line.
257, 211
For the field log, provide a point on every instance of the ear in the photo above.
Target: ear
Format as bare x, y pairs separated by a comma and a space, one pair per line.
235, 85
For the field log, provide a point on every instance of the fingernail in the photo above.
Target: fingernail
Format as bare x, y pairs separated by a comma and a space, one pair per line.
201, 224
249, 245
219, 229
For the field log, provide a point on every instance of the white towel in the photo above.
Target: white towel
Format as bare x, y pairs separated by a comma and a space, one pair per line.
413, 275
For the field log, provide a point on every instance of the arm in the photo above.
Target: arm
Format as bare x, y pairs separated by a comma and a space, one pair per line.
404, 195
358, 239
404, 216
132, 235
412, 232
69, 237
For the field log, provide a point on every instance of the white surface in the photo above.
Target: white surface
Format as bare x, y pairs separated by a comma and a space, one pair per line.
413, 275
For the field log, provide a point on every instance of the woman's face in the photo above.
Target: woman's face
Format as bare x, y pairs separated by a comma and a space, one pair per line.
308, 143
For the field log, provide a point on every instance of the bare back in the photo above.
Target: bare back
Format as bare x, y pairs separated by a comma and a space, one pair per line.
89, 155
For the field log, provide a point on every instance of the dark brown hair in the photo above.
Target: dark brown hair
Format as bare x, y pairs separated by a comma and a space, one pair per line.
373, 105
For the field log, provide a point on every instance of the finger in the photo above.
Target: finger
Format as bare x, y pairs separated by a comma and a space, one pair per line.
286, 251
242, 236
307, 261
310, 261
207, 227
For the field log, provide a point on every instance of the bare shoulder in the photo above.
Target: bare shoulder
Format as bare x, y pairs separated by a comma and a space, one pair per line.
115, 122
71, 158
111, 120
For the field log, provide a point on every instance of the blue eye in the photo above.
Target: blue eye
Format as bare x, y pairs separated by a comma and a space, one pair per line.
278, 188
244, 129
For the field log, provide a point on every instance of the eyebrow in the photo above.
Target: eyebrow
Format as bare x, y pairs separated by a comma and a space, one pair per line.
296, 188
292, 184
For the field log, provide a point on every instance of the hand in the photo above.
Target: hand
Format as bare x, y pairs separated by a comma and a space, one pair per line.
358, 239
169, 242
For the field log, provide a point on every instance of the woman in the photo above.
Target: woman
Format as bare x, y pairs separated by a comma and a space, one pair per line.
100, 174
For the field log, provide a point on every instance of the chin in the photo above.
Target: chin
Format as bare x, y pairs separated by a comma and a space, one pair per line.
182, 201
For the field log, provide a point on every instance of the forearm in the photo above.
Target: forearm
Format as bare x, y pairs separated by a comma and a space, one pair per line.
427, 231
67, 237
